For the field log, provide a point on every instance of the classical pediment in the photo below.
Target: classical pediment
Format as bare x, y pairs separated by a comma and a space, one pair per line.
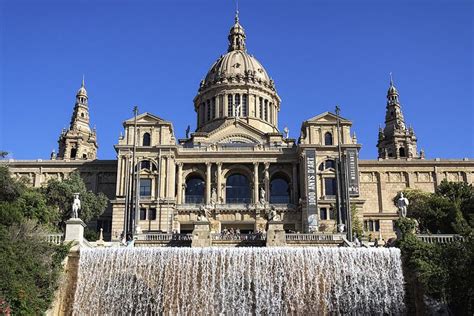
232, 132
146, 119
327, 117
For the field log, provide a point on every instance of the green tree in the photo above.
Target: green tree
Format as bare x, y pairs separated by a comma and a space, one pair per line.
441, 271
29, 266
449, 210
356, 222
60, 195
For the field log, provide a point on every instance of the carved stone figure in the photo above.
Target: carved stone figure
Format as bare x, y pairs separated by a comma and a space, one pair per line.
286, 130
402, 204
273, 215
188, 129
76, 206
213, 196
262, 196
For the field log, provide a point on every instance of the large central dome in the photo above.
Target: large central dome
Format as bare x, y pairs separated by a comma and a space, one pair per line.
237, 86
239, 65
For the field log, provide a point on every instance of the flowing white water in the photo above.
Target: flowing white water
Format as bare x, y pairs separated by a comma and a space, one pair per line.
239, 281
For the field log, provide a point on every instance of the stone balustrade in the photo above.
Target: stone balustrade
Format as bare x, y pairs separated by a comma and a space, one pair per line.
56, 239
440, 238
314, 237
164, 237
238, 237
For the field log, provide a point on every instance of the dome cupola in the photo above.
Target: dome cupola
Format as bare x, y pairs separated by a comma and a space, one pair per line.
237, 86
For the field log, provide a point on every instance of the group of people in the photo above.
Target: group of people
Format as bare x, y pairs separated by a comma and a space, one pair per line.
234, 233
378, 242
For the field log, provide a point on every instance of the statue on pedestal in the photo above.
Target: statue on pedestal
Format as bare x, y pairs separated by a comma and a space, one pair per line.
402, 204
76, 206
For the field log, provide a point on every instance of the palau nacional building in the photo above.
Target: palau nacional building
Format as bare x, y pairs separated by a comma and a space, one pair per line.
238, 166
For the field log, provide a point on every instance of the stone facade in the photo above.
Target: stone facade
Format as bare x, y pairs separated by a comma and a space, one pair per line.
237, 168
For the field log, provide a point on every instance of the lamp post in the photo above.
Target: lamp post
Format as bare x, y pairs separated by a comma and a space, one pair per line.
343, 200
339, 204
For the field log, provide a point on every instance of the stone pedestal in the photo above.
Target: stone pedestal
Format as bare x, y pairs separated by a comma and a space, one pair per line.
75, 230
201, 235
276, 236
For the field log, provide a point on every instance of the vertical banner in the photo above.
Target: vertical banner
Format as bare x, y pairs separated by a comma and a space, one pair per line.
352, 171
311, 200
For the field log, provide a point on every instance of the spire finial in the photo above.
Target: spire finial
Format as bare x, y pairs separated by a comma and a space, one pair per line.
83, 84
236, 11
391, 79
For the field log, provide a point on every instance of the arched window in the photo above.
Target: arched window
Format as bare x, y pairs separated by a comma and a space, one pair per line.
237, 189
73, 153
279, 191
328, 139
148, 165
195, 187
146, 139
401, 152
328, 164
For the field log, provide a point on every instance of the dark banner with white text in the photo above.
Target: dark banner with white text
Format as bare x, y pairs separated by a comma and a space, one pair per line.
352, 171
311, 200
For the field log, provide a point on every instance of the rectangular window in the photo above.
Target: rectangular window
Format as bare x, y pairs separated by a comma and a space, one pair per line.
265, 111
237, 103
202, 110
145, 187
260, 112
244, 105
142, 214
213, 108
323, 213
230, 107
271, 113
152, 214
221, 106
330, 188
208, 110
372, 225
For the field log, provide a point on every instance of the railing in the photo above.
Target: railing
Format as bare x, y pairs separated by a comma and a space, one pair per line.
194, 199
280, 199
238, 200
313, 237
239, 237
440, 238
164, 237
56, 239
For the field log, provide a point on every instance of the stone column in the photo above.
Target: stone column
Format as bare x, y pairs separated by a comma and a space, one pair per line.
267, 182
208, 182
172, 176
179, 193
295, 184
255, 182
219, 182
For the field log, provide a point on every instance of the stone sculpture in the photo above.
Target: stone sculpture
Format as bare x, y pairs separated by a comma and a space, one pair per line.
402, 204
76, 206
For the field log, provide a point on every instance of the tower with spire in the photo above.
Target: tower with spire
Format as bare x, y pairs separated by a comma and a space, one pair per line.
395, 140
79, 141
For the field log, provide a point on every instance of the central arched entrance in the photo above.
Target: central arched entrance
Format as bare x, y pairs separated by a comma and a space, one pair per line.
237, 189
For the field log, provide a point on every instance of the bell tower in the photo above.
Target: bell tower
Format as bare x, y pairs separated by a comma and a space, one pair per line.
79, 141
395, 141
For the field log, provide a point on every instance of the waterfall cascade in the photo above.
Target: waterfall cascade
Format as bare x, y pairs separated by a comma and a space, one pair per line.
239, 281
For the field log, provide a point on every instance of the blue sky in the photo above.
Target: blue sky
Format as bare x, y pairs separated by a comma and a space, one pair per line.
154, 53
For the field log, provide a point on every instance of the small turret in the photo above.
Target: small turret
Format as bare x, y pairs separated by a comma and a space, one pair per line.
79, 141
395, 140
